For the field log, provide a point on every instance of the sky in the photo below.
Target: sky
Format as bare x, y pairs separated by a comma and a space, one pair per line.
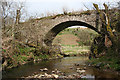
43, 7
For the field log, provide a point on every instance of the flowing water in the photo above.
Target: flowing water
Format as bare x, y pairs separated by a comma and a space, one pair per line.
65, 64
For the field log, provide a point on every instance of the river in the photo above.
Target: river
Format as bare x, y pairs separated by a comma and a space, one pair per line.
66, 65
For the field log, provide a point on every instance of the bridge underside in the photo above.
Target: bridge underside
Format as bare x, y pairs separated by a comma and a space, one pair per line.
49, 37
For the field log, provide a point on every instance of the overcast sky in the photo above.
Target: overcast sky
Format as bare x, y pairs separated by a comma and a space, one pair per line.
42, 7
55, 6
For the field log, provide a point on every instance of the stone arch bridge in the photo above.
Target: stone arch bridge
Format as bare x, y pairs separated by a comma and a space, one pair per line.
45, 29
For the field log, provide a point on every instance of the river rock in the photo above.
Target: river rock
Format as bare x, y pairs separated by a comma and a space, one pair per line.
63, 74
84, 68
35, 76
47, 75
62, 77
45, 69
42, 76
56, 69
55, 76
70, 76
53, 71
39, 77
58, 72
77, 76
74, 75
77, 64
80, 71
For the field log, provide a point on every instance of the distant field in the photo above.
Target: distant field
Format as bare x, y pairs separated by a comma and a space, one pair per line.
75, 40
66, 39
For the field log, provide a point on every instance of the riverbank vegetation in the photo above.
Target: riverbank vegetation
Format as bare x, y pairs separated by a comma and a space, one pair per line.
110, 61
105, 50
22, 54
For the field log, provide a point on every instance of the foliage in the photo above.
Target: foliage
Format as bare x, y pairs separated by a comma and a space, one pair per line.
24, 50
3, 50
110, 59
85, 36
97, 46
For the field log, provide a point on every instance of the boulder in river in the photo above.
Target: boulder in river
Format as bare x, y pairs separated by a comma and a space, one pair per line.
44, 69
55, 76
84, 68
70, 76
53, 71
48, 75
77, 64
80, 71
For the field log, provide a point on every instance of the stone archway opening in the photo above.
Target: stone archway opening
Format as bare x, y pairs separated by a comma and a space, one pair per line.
84, 36
49, 37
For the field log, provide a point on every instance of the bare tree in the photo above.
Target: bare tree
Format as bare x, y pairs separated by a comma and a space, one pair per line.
5, 6
9, 10
21, 10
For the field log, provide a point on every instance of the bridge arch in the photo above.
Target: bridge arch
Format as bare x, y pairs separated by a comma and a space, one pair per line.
49, 37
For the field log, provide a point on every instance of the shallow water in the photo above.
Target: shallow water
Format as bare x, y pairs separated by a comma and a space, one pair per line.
63, 65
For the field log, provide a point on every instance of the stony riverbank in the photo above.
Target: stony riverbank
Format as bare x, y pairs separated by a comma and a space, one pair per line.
57, 74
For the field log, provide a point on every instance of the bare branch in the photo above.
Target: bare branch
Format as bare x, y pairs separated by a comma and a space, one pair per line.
86, 7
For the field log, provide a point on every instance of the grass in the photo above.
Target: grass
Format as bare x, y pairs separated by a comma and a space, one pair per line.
22, 54
85, 36
109, 61
73, 49
66, 31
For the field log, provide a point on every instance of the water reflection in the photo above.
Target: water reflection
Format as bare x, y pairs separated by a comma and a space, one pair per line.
63, 65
